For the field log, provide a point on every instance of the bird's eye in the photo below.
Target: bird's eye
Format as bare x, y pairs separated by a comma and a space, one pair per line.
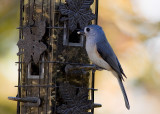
88, 29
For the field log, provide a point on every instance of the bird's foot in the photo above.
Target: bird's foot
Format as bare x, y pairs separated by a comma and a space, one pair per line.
98, 68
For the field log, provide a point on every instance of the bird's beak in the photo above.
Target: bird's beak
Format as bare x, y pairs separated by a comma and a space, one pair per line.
81, 32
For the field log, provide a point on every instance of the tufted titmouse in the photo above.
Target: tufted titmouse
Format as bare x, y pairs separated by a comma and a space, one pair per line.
101, 54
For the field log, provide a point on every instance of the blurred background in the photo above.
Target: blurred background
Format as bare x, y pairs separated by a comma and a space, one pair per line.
132, 28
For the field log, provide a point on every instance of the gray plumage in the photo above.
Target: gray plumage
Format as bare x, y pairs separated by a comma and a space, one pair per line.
101, 53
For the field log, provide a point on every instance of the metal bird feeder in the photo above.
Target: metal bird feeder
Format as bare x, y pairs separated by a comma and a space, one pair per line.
54, 72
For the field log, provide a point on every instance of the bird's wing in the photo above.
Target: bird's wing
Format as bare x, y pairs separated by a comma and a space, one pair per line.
106, 52
121, 68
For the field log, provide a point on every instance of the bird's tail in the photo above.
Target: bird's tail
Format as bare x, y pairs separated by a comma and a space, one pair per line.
124, 93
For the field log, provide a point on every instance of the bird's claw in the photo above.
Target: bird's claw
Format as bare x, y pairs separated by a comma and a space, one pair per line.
98, 68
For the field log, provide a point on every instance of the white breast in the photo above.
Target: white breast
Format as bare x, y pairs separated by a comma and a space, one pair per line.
94, 55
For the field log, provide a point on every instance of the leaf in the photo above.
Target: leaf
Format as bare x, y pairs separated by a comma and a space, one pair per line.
31, 44
78, 12
62, 109
64, 19
87, 4
75, 100
64, 9
72, 24
39, 48
67, 92
41, 26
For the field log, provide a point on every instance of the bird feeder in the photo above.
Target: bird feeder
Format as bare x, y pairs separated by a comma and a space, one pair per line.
54, 72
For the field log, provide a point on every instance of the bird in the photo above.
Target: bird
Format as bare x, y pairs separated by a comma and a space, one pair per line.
102, 55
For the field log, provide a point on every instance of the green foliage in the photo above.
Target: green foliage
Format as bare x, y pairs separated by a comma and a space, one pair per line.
7, 109
8, 23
